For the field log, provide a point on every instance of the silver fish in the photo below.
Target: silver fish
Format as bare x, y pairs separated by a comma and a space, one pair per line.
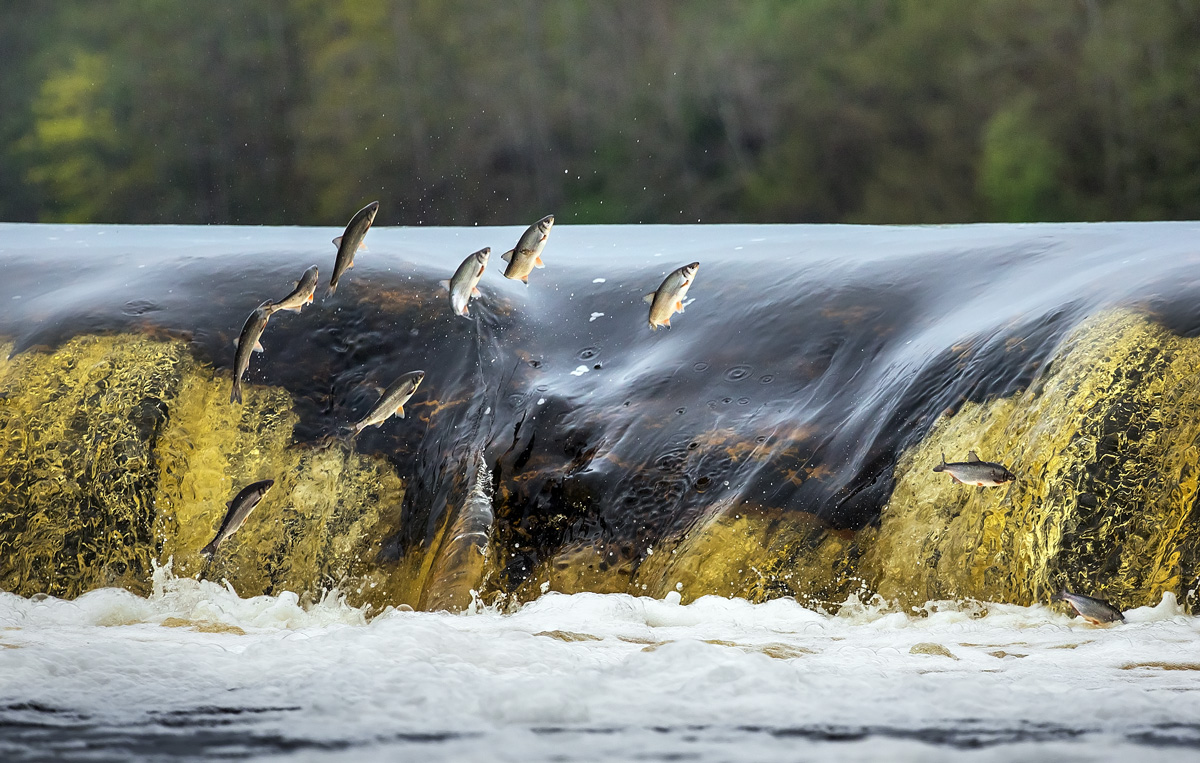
976, 472
463, 285
239, 508
301, 295
527, 254
668, 299
1095, 611
247, 343
391, 402
350, 242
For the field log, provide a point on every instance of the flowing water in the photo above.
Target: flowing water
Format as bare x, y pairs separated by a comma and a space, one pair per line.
579, 487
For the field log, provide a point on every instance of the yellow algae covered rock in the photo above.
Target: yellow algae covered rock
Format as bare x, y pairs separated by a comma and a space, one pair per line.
754, 553
119, 450
78, 428
1104, 449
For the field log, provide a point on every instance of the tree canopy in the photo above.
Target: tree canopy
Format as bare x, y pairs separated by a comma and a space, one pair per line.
453, 112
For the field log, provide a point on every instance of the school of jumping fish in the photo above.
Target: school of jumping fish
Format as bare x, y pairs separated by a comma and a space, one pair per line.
463, 286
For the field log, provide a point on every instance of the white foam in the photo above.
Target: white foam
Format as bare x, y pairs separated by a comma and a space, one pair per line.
603, 661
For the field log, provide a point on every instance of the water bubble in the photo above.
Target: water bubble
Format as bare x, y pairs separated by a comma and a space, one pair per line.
766, 379
587, 353
700, 367
680, 411
743, 401
542, 387
727, 400
737, 373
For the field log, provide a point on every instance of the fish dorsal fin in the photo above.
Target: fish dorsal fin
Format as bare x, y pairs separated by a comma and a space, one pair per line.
972, 457
507, 256
337, 241
444, 284
649, 298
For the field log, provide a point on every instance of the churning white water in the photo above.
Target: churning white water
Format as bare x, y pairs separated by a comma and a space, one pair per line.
195, 670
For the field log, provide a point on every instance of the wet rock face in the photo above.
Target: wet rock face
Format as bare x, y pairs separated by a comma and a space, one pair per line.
777, 440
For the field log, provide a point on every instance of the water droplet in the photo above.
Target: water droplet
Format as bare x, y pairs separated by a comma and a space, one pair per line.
587, 353
700, 367
743, 401
737, 373
766, 379
680, 411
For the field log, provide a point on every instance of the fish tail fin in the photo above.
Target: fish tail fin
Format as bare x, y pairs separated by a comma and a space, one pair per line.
235, 396
210, 550
332, 288
942, 466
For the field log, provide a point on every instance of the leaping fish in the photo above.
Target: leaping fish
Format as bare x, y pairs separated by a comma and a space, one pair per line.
668, 299
976, 472
246, 344
391, 402
239, 509
301, 295
1095, 611
527, 254
464, 284
350, 242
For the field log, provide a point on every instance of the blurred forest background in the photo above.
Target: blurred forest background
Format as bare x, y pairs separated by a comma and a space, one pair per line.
621, 111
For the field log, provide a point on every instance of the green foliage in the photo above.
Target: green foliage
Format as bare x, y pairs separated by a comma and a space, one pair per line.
1018, 174
449, 112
